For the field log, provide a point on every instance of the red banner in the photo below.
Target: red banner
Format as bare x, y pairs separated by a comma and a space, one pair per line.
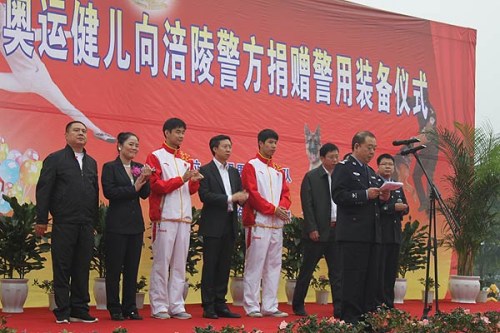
315, 71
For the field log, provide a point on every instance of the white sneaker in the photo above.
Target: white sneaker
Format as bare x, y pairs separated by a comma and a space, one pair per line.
255, 314
182, 315
278, 314
160, 315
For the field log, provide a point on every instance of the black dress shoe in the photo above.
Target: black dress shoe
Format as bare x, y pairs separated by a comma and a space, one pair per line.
117, 316
210, 315
301, 313
132, 315
228, 314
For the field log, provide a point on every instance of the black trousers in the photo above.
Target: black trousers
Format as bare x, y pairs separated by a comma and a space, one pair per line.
123, 254
388, 272
71, 249
217, 254
313, 252
360, 279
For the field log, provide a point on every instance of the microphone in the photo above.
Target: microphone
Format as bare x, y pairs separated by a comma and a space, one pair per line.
405, 142
412, 150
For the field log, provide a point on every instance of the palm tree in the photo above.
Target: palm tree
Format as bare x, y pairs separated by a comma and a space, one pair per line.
474, 185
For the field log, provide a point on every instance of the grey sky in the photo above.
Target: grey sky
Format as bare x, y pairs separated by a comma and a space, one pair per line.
479, 15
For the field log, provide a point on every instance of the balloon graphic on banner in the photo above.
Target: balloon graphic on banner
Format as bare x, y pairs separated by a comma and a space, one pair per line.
9, 171
30, 171
16, 191
31, 154
15, 155
4, 150
4, 206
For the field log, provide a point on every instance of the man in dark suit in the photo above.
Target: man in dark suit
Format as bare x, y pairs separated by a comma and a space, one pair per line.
68, 189
318, 232
391, 214
220, 191
356, 193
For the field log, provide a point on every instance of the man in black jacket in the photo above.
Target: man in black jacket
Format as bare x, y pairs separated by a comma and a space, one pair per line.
220, 191
391, 214
68, 189
356, 193
318, 232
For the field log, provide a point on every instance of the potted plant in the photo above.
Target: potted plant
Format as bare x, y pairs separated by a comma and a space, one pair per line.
292, 254
20, 253
411, 255
487, 264
140, 289
238, 267
48, 287
98, 261
430, 286
320, 285
474, 186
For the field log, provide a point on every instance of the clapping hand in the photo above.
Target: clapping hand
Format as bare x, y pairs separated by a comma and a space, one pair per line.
146, 171
241, 197
196, 176
140, 181
282, 213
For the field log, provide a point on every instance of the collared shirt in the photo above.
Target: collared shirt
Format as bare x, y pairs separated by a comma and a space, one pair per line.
360, 164
224, 173
333, 213
385, 179
79, 158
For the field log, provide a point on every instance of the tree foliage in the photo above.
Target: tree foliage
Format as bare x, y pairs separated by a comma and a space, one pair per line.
473, 186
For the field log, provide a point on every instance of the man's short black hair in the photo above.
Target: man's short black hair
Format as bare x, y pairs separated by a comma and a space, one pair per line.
326, 148
173, 123
215, 142
387, 156
68, 125
360, 138
267, 134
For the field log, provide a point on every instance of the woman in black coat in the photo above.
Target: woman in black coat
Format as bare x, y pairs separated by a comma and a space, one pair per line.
124, 182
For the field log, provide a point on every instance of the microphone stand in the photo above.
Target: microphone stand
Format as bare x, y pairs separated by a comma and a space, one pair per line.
432, 237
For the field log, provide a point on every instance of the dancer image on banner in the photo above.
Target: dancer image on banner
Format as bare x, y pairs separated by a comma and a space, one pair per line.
401, 174
428, 156
29, 75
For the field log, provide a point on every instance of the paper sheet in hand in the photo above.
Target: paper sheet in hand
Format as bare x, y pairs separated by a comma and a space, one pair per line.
391, 186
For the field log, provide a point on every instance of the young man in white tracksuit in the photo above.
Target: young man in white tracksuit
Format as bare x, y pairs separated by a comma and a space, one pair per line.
172, 184
264, 214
